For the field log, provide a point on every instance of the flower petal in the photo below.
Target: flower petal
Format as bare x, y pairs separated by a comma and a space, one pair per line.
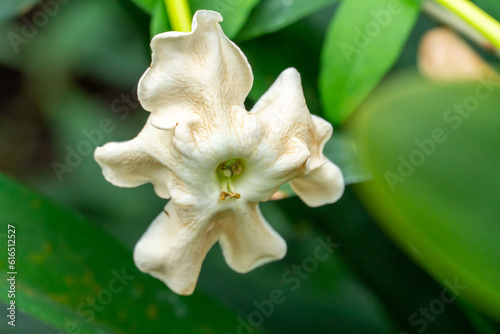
248, 241
283, 103
172, 249
284, 108
324, 185
127, 164
262, 178
198, 72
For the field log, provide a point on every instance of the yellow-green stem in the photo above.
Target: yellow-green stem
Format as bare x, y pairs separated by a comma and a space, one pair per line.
179, 15
476, 17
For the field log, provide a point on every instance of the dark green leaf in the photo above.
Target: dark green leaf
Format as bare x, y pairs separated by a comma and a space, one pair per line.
272, 15
341, 150
400, 286
433, 152
234, 13
147, 5
363, 41
159, 19
73, 275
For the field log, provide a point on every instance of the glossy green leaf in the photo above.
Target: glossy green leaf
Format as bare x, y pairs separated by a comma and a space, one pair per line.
77, 278
159, 19
362, 43
272, 15
146, 5
399, 284
234, 13
433, 152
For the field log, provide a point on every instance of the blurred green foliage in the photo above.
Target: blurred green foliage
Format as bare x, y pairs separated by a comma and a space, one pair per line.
435, 148
369, 43
62, 78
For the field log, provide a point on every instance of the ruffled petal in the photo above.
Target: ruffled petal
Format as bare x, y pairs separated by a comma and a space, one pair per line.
173, 249
323, 185
128, 164
284, 108
283, 104
263, 177
248, 241
200, 72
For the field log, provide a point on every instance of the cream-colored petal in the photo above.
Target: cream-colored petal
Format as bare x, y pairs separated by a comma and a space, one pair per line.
173, 249
248, 241
283, 105
323, 185
127, 164
323, 131
284, 108
200, 72
263, 177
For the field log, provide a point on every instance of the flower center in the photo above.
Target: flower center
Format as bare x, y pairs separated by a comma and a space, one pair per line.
227, 171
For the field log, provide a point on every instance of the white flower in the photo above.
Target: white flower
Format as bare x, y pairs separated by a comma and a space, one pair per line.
213, 159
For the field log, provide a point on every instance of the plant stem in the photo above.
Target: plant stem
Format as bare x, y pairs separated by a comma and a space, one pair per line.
476, 17
179, 15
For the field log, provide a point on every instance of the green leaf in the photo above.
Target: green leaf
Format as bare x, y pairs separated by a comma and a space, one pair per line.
159, 19
74, 276
272, 15
342, 151
398, 283
13, 8
362, 43
234, 13
433, 152
147, 5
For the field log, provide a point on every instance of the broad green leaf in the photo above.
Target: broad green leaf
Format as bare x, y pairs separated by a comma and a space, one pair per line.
272, 15
433, 152
12, 8
234, 13
147, 5
74, 276
159, 19
400, 285
363, 41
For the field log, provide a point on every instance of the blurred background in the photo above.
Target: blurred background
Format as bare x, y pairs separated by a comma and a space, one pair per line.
416, 111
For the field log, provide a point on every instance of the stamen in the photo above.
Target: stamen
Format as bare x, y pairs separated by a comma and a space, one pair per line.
223, 195
226, 172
